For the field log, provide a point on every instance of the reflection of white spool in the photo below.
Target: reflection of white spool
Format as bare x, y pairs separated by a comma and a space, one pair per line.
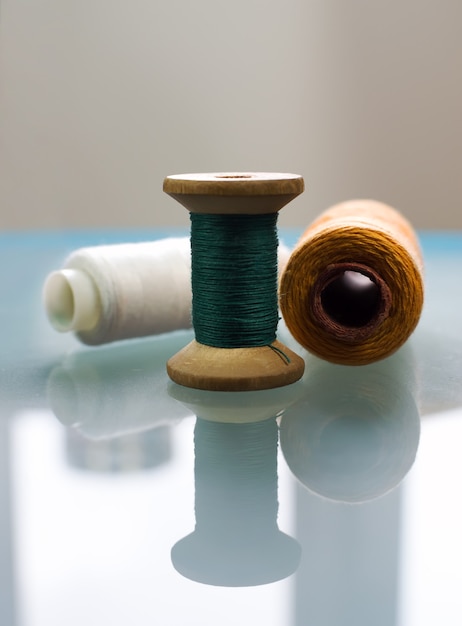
107, 293
116, 391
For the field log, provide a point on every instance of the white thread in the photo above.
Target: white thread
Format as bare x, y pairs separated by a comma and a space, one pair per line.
122, 291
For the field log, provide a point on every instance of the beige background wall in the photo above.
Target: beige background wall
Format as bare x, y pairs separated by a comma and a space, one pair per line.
101, 99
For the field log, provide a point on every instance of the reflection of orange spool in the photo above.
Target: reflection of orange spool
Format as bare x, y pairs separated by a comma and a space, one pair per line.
354, 433
352, 291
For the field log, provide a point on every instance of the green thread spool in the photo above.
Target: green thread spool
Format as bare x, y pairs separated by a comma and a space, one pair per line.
234, 281
234, 306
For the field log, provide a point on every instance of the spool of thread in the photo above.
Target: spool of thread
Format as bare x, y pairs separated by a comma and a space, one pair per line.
234, 281
122, 291
352, 291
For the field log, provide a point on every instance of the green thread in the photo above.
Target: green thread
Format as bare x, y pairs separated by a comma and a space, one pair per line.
281, 353
234, 279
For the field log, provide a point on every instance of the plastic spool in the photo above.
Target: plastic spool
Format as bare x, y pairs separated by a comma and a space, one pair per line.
122, 291
352, 291
249, 365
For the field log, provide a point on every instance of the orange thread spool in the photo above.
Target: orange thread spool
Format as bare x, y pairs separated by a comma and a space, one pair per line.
352, 291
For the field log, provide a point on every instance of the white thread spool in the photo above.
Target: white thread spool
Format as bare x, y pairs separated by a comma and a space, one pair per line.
123, 291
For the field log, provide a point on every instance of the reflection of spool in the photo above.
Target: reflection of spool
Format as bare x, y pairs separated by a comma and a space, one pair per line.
236, 407
236, 541
352, 291
114, 403
126, 453
116, 390
121, 291
355, 433
8, 575
234, 281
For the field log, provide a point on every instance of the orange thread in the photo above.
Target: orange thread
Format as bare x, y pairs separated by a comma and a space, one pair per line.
361, 238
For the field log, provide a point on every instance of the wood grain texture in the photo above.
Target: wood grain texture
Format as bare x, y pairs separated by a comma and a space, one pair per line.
235, 369
234, 193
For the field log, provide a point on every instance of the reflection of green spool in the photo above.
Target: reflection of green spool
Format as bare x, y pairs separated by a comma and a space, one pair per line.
236, 541
355, 434
236, 407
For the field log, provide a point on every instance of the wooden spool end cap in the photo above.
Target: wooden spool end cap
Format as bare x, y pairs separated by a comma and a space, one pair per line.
234, 192
235, 369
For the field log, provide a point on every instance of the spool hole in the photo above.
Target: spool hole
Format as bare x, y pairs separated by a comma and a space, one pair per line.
234, 176
351, 299
60, 302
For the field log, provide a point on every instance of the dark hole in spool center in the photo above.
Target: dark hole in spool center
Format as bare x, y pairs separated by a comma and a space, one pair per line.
351, 299
234, 176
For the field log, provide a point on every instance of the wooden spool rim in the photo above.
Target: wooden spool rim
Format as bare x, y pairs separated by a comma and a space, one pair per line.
235, 184
235, 369
234, 193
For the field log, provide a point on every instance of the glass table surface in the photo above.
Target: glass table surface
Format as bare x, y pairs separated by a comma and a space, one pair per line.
126, 499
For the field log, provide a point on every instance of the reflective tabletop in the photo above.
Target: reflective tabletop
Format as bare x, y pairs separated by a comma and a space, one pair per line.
127, 499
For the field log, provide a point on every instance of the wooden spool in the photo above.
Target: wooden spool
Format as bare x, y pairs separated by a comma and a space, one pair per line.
234, 369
